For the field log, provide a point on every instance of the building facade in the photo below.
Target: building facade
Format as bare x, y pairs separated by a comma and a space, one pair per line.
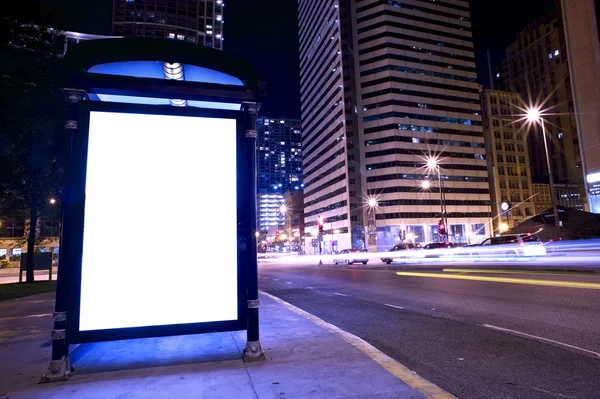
196, 21
279, 165
385, 86
582, 31
537, 68
567, 195
507, 159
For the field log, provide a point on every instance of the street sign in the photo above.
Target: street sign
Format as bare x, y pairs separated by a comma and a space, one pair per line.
315, 243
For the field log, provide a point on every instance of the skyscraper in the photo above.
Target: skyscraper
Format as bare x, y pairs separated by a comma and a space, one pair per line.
279, 164
507, 159
196, 21
537, 68
582, 33
385, 87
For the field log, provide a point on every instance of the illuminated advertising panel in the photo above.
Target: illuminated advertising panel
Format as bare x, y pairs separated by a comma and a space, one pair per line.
159, 246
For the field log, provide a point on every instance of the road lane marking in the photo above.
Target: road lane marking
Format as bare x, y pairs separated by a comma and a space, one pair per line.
394, 306
541, 339
552, 283
400, 371
288, 282
554, 393
531, 272
25, 317
339, 294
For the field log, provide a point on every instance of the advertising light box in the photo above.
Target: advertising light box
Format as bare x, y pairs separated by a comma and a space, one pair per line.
159, 244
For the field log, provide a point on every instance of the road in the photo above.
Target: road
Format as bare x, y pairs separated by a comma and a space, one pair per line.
12, 278
496, 335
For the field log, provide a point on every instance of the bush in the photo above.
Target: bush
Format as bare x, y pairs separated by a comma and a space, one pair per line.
15, 258
4, 264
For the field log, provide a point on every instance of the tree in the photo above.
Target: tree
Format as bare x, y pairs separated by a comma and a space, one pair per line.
32, 142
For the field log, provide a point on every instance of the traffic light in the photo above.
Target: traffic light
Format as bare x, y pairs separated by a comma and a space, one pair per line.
320, 228
441, 227
403, 235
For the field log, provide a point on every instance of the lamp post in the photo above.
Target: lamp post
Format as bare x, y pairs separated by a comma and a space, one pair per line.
432, 164
371, 235
534, 115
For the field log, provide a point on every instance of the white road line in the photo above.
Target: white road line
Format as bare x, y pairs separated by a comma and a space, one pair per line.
31, 316
288, 282
337, 293
394, 306
541, 339
311, 288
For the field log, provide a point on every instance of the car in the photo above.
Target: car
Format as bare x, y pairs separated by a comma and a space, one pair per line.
510, 245
401, 247
350, 256
438, 248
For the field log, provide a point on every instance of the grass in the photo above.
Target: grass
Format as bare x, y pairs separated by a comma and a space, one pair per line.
18, 290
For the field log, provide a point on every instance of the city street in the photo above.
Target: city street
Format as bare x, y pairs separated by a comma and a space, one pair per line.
498, 334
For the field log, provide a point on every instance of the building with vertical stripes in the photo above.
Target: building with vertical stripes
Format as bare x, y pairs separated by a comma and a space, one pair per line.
385, 86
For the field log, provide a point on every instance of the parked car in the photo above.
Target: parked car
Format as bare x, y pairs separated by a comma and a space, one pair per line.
510, 245
401, 248
350, 256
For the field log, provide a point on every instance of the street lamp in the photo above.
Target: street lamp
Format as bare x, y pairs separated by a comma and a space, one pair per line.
432, 164
52, 201
371, 234
534, 115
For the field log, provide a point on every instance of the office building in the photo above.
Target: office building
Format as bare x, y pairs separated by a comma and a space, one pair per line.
194, 21
279, 163
537, 68
385, 85
507, 159
567, 195
582, 31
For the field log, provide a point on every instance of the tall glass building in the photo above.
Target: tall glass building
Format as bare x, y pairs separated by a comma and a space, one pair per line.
196, 21
385, 87
279, 163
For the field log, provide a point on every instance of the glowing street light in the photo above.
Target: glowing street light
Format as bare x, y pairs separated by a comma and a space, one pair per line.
432, 164
257, 234
534, 115
372, 203
52, 201
283, 209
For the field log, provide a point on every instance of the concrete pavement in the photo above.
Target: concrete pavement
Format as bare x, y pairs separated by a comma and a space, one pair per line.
305, 358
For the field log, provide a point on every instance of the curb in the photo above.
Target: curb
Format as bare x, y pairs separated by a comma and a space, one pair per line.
400, 371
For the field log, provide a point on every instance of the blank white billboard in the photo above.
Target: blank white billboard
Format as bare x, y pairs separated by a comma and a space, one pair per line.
160, 225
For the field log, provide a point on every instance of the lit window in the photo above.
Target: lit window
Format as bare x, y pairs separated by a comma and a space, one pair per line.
556, 52
550, 56
416, 140
497, 75
560, 135
171, 35
219, 18
180, 37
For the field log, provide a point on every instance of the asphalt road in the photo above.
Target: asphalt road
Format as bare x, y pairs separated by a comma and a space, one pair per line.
454, 332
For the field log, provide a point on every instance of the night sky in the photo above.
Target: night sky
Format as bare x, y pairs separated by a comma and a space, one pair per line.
265, 33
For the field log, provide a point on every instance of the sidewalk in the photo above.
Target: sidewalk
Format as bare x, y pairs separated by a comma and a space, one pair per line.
306, 358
